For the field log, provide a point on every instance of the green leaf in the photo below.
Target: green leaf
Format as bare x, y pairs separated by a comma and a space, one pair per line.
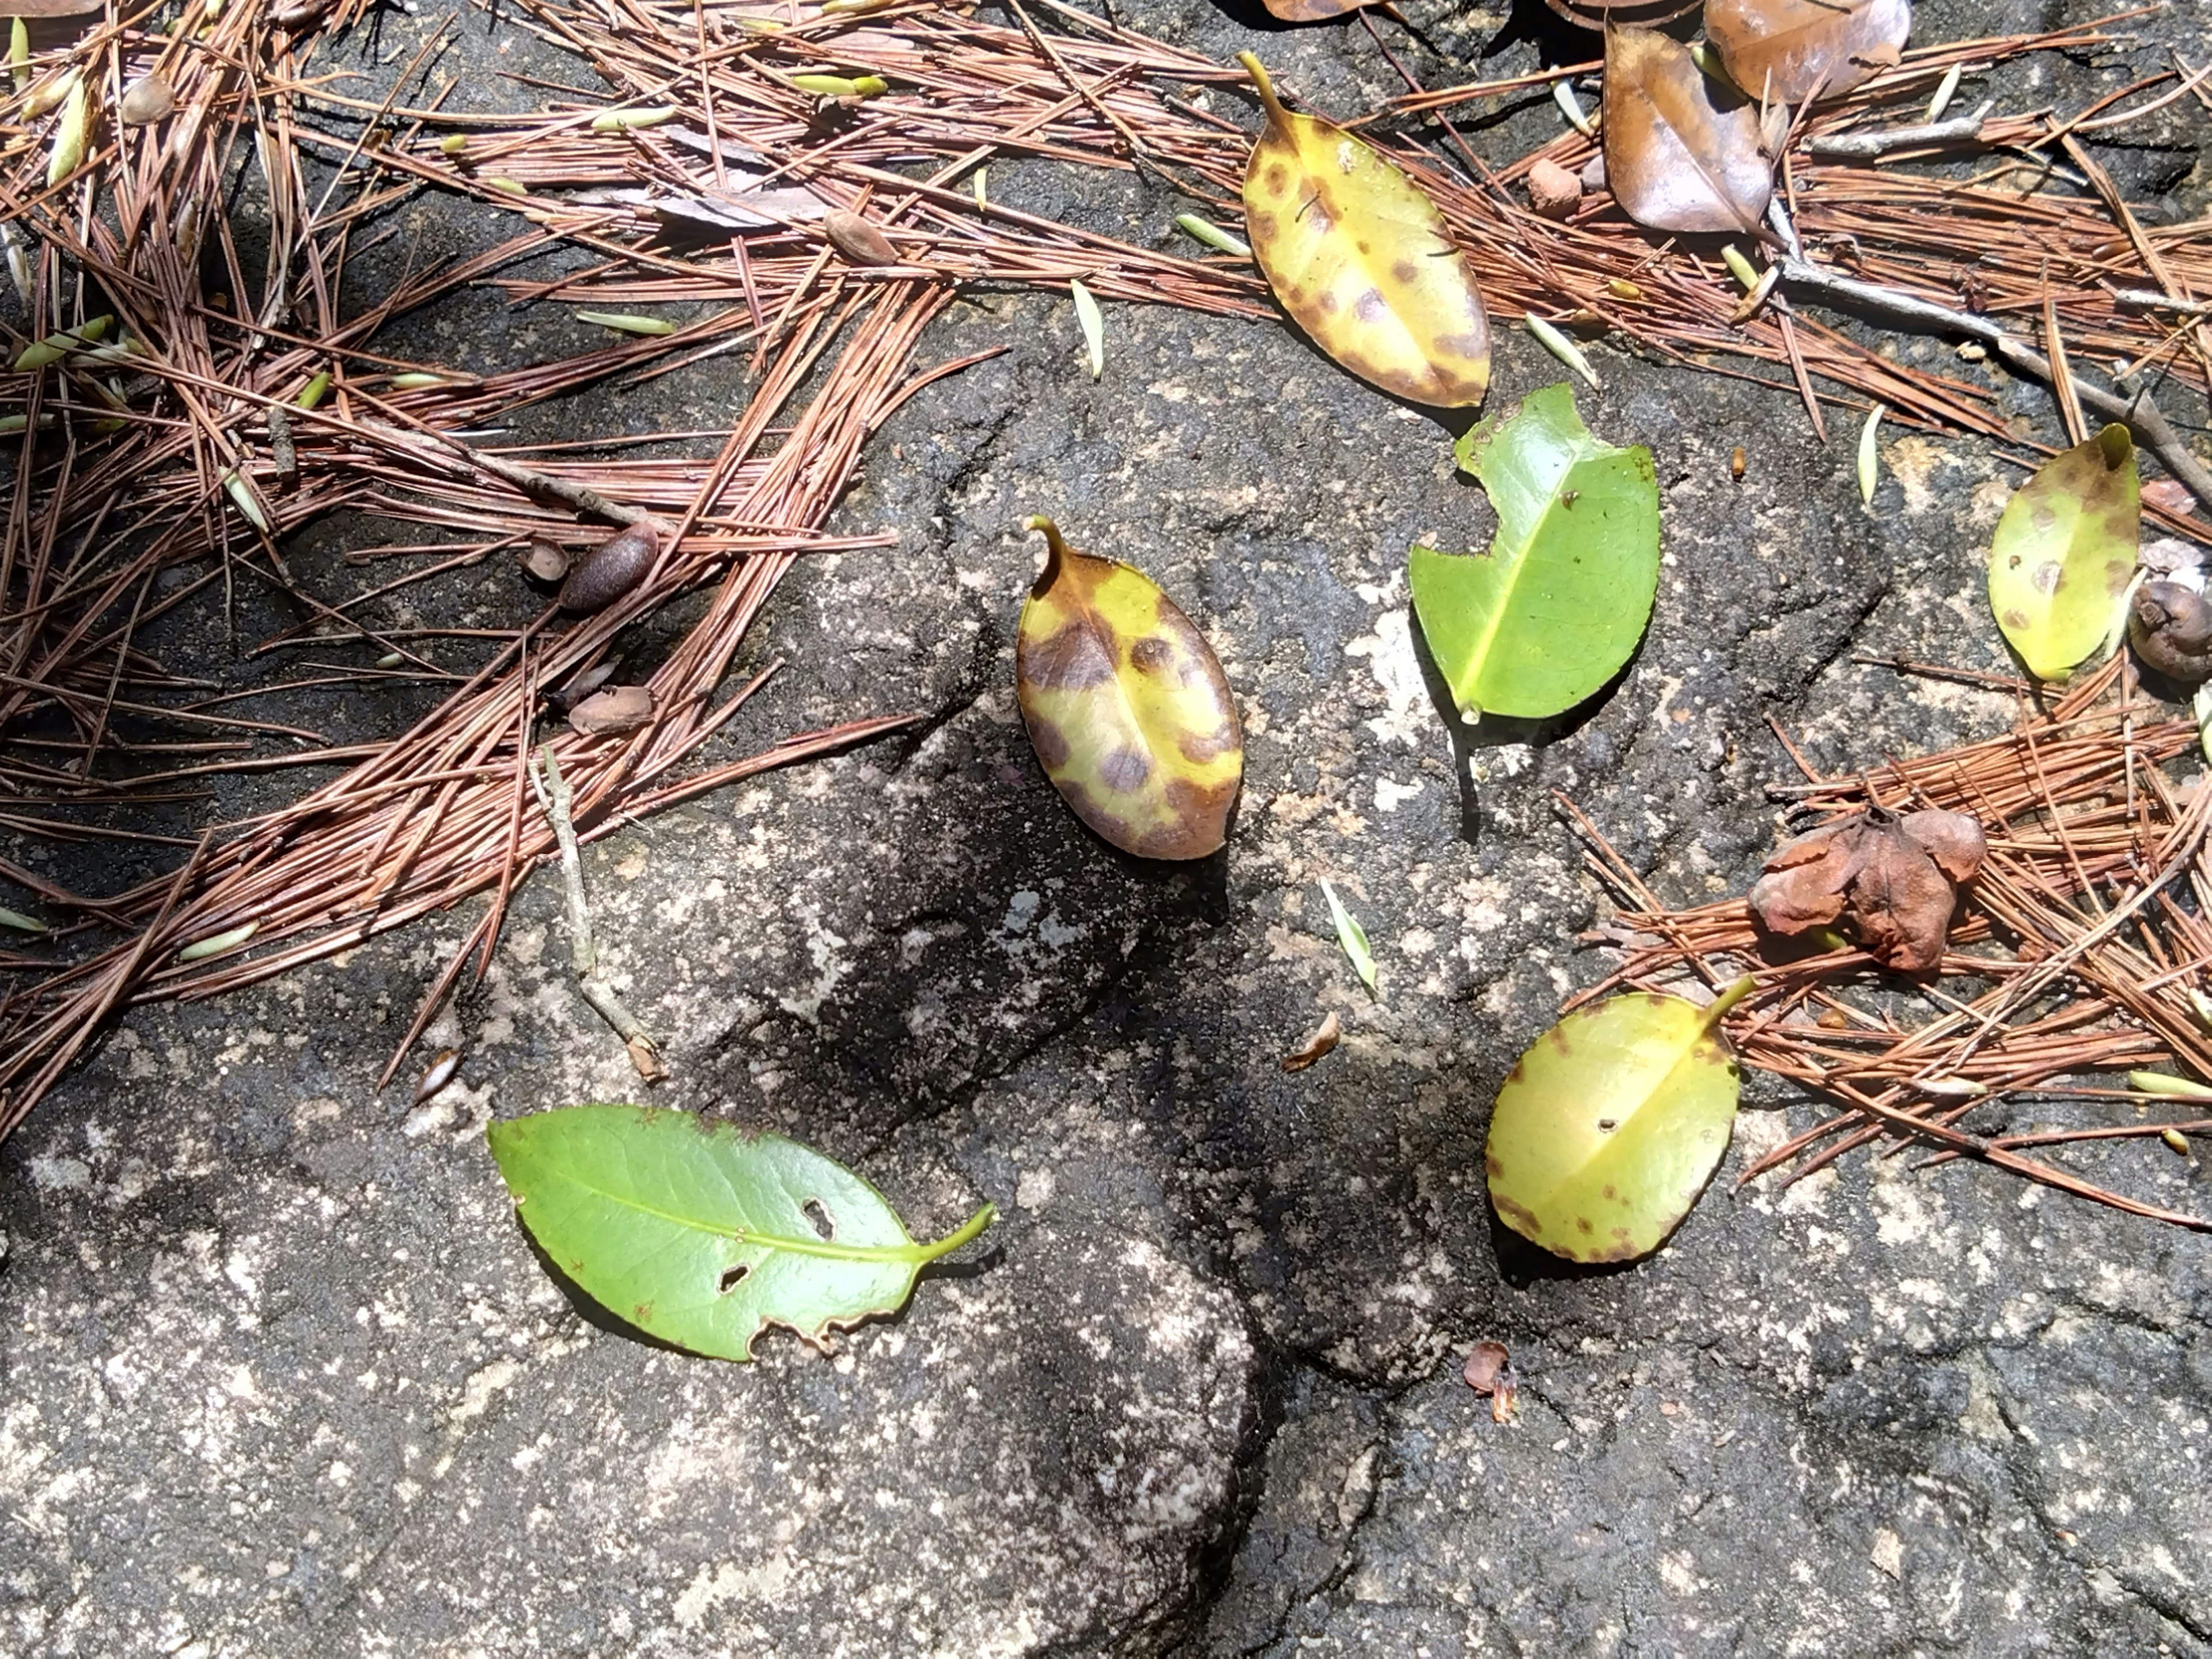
1127, 706
1611, 1124
703, 1237
2065, 551
1351, 936
1555, 607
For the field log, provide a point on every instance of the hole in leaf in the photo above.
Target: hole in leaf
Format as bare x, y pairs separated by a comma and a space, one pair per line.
733, 1277
1606, 1125
823, 1227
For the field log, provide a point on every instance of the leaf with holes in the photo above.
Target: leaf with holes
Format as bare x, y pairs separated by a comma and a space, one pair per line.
2064, 553
703, 1236
1360, 259
1550, 612
1788, 51
1681, 153
1611, 1124
1127, 706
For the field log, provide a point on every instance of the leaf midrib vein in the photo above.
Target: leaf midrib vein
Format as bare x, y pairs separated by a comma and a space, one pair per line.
827, 1249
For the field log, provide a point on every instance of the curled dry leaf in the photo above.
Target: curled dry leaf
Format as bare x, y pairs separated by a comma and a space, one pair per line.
618, 709
2170, 626
1361, 260
1553, 192
1323, 1038
1485, 1363
857, 240
1680, 152
1788, 51
1890, 878
1126, 707
542, 561
1489, 1371
611, 569
2065, 552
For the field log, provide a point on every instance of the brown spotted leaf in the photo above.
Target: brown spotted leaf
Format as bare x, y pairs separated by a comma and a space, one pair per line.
2065, 551
1612, 1123
1361, 260
1888, 877
1126, 707
1788, 51
1680, 152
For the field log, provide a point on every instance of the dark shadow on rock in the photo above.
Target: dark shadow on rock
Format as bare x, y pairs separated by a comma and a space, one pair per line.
1557, 41
1495, 730
1521, 1263
1252, 14
590, 1311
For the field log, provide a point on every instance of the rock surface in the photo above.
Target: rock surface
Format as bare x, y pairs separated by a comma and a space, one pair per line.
283, 1374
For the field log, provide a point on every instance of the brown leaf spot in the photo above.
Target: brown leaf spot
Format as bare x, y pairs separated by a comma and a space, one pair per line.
1124, 771
1261, 224
1276, 178
1585, 1224
2045, 576
1609, 1190
1070, 659
1051, 745
1406, 271
2015, 620
1522, 1218
1151, 653
1369, 307
1199, 748
1471, 345
1329, 302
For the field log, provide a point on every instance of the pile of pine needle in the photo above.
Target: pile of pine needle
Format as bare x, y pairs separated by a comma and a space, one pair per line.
813, 178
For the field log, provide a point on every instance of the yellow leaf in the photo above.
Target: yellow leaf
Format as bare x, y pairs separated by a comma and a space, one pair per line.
1126, 707
1361, 260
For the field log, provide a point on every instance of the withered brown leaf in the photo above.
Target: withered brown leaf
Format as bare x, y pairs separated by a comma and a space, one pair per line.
1888, 877
1788, 51
1322, 1038
1680, 152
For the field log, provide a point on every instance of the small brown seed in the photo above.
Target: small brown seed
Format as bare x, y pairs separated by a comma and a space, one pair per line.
858, 240
1553, 192
145, 101
2171, 628
543, 562
611, 569
618, 709
1737, 462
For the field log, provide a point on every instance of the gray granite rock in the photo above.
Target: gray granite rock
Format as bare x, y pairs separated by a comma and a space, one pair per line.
283, 1374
